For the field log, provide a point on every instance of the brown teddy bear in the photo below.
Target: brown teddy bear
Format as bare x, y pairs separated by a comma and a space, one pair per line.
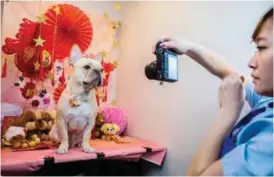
44, 121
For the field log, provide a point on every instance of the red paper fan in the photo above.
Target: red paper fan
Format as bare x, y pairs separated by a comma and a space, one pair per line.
72, 26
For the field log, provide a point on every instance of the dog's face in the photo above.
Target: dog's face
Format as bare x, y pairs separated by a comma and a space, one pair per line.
87, 72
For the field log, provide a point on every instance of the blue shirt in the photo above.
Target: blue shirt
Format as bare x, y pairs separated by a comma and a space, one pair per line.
253, 154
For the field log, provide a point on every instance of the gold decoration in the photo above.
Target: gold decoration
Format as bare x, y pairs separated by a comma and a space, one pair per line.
36, 66
116, 24
51, 76
104, 74
57, 10
113, 102
100, 93
106, 15
41, 18
115, 63
39, 41
104, 54
46, 58
115, 44
28, 53
117, 7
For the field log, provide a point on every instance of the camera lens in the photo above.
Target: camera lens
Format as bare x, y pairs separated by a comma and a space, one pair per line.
150, 70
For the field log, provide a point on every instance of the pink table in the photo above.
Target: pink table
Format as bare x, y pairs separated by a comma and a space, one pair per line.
28, 161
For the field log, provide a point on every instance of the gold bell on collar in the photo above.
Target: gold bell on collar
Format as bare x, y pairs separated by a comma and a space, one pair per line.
75, 101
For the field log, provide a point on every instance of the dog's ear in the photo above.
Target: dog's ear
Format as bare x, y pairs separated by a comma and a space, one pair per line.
75, 54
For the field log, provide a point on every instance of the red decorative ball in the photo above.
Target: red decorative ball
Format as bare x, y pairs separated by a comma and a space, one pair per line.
35, 103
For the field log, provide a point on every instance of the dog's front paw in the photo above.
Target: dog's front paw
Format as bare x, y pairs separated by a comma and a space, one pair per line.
63, 149
87, 148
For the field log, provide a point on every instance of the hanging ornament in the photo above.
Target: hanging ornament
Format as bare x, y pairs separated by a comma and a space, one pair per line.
58, 91
35, 103
36, 66
39, 41
28, 91
46, 100
115, 63
43, 92
65, 26
46, 58
28, 47
117, 7
4, 69
115, 44
62, 79
106, 15
113, 102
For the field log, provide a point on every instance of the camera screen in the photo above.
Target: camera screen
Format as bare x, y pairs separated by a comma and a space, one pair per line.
172, 67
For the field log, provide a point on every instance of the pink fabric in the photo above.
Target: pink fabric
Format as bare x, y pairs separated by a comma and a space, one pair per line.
33, 160
156, 157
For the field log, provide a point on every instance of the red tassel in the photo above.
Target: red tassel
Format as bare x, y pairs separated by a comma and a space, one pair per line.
62, 79
4, 69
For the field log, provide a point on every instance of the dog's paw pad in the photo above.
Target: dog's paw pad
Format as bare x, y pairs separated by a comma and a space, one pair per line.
62, 150
88, 149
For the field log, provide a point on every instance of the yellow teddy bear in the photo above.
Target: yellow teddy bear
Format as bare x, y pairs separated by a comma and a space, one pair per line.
109, 133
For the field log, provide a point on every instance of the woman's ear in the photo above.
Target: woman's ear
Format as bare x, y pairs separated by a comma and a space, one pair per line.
75, 54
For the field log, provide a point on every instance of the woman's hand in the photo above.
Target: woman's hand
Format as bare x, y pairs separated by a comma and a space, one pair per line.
179, 45
231, 95
211, 61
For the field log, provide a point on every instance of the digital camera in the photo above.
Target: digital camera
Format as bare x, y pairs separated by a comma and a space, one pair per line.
165, 68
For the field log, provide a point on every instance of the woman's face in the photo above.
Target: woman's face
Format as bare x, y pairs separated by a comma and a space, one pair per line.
262, 61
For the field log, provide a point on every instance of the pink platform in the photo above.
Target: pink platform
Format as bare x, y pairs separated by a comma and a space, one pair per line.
27, 161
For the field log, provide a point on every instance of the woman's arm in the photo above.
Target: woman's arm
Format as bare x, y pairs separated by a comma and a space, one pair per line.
205, 161
211, 61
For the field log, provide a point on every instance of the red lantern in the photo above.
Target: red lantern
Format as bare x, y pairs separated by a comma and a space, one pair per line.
29, 57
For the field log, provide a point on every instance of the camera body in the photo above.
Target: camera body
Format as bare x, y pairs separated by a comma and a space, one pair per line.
165, 68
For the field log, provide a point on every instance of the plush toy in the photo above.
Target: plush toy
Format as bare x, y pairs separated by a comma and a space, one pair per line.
110, 133
36, 125
112, 114
98, 124
44, 122
15, 137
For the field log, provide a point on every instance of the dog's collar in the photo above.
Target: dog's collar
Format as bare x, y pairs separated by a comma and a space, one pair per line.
76, 100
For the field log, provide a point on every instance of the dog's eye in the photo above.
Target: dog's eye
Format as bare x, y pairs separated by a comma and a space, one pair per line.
87, 67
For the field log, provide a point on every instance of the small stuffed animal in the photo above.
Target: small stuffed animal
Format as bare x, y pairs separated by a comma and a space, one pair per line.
44, 122
109, 130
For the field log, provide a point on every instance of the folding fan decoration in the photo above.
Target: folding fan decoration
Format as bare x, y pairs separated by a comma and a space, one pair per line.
66, 25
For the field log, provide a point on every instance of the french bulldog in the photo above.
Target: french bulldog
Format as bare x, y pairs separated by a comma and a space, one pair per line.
77, 106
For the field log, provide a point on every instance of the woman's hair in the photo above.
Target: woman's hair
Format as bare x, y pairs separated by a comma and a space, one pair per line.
267, 15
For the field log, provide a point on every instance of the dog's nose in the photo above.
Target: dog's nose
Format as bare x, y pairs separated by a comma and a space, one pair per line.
85, 83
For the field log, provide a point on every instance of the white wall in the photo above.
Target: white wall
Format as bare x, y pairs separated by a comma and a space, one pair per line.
177, 115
